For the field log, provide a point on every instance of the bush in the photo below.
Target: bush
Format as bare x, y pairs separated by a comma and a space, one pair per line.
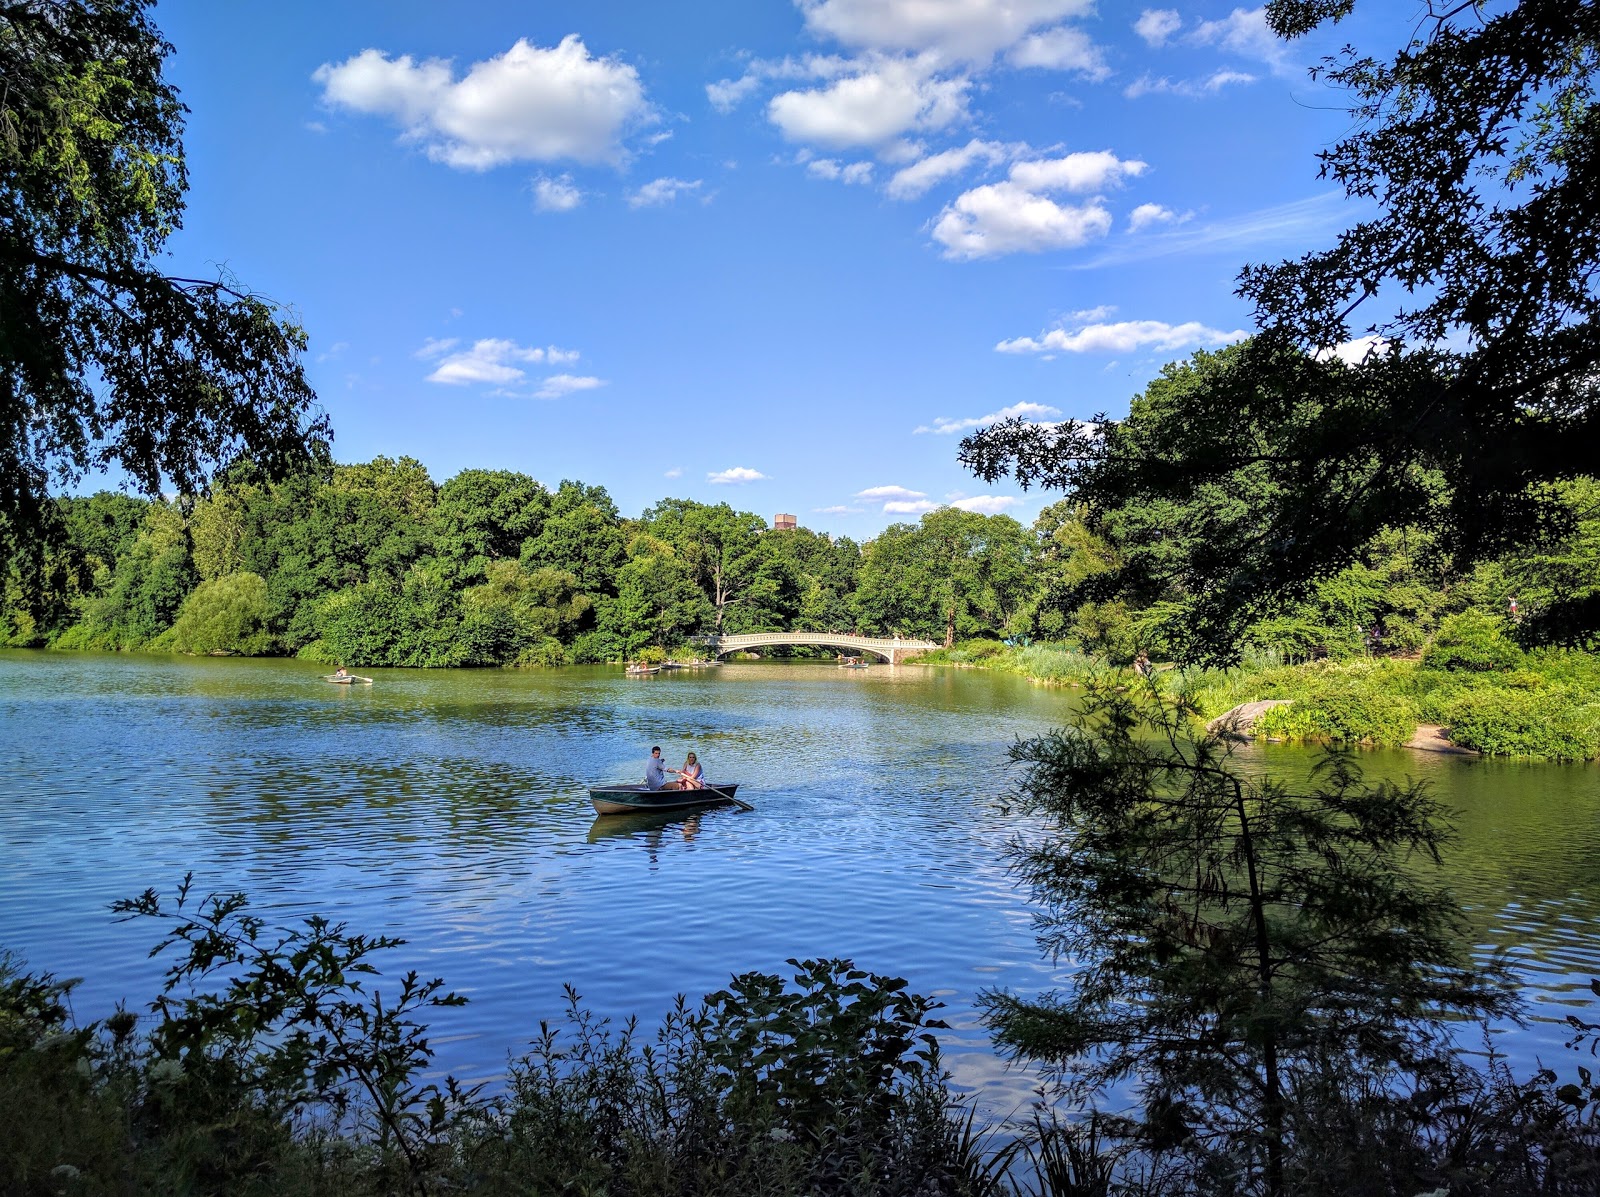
1471, 642
1345, 710
225, 615
1554, 722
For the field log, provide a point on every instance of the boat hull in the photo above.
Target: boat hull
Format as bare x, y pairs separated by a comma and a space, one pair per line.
633, 800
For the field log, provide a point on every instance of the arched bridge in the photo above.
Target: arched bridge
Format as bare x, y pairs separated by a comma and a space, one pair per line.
891, 649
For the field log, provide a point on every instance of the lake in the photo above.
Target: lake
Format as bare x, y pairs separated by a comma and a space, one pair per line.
449, 808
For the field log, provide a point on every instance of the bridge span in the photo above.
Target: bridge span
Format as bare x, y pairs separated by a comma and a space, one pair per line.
890, 649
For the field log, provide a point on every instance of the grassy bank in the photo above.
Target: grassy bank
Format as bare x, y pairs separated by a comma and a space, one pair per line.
1472, 679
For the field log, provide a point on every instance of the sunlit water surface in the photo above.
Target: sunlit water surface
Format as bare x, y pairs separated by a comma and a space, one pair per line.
449, 808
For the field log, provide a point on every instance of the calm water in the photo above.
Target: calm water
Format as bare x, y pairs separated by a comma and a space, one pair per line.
449, 808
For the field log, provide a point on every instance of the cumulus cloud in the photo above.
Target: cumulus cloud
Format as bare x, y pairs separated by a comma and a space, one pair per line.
490, 360
850, 172
986, 504
911, 181
881, 100
1002, 218
736, 475
1245, 32
674, 472
558, 385
1193, 89
1064, 48
838, 509
874, 494
1353, 353
531, 103
1148, 215
556, 195
727, 94
435, 346
943, 426
908, 506
1156, 25
1016, 217
661, 191
956, 29
1124, 336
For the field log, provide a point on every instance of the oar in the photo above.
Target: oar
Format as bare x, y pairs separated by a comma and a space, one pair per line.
739, 802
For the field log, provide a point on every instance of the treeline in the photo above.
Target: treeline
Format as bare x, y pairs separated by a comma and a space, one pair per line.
1144, 557
376, 564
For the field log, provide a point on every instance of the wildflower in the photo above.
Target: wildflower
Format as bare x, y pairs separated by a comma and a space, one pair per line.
166, 1072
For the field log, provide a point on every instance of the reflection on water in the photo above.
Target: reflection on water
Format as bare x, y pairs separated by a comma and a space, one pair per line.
451, 809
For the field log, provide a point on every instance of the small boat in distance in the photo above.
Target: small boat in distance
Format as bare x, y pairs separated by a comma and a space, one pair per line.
638, 799
852, 663
348, 679
641, 670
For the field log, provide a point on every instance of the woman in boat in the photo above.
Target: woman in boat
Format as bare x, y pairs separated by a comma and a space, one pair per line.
690, 777
341, 672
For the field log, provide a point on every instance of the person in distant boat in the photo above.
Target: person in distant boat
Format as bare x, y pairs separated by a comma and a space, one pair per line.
655, 771
690, 777
341, 672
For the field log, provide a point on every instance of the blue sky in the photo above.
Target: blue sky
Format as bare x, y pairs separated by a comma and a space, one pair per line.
777, 253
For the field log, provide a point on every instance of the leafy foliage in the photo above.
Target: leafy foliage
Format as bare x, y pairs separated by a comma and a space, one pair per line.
1233, 940
107, 360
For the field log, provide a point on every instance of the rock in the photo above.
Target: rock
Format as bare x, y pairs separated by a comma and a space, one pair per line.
1238, 721
1430, 737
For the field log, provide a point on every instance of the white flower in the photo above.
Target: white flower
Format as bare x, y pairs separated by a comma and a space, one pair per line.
166, 1072
781, 1135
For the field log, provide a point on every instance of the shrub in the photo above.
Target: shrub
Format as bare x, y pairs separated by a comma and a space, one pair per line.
1471, 642
1553, 722
227, 614
1343, 709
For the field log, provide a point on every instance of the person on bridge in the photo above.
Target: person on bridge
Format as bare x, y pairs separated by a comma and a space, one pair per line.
655, 770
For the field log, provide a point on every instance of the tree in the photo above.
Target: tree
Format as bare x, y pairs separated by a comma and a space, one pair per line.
1236, 942
1479, 144
225, 615
721, 548
483, 516
104, 360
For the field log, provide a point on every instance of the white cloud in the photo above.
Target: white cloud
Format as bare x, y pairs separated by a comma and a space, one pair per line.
1156, 25
1245, 32
851, 172
727, 94
1282, 227
1076, 172
883, 99
738, 474
943, 426
529, 104
1063, 48
956, 29
1353, 353
1014, 217
908, 506
661, 191
838, 509
434, 346
874, 493
1002, 218
674, 472
911, 181
1147, 215
1193, 89
987, 504
558, 385
1125, 336
491, 361
556, 195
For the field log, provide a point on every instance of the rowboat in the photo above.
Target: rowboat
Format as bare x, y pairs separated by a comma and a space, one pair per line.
638, 799
641, 670
348, 679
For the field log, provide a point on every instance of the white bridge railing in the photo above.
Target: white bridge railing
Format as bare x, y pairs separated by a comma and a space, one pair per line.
891, 649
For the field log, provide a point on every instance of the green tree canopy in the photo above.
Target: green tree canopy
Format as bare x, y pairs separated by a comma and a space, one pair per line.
104, 360
1476, 286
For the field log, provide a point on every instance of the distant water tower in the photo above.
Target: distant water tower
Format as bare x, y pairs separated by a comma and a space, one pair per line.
783, 522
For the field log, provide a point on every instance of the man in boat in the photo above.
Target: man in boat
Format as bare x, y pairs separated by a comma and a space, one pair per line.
655, 770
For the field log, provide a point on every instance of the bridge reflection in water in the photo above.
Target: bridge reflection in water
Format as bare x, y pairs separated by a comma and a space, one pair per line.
890, 649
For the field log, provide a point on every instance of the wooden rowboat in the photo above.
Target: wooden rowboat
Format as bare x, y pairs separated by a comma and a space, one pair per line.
634, 800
